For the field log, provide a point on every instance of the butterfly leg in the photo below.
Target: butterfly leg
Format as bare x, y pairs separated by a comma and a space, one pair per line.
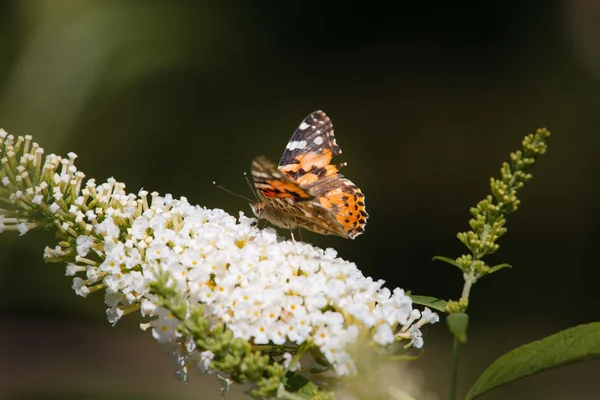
300, 234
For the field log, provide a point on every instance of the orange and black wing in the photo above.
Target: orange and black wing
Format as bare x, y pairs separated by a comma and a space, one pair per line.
273, 185
286, 204
345, 202
307, 161
308, 154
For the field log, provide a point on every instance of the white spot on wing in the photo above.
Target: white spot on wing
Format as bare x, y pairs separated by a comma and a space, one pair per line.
303, 126
318, 140
296, 145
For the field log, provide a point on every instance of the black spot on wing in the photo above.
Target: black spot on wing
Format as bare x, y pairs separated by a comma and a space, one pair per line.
347, 189
318, 171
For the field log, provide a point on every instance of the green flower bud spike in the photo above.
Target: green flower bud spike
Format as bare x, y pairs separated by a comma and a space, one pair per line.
487, 226
489, 216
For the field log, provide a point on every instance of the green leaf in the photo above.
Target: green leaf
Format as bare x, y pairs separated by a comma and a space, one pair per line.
428, 301
458, 324
300, 385
448, 260
499, 267
572, 345
308, 391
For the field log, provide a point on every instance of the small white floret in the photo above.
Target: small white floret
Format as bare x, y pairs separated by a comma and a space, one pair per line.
22, 228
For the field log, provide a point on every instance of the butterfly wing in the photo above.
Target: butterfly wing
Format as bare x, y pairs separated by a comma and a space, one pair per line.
345, 202
286, 204
306, 161
308, 154
274, 185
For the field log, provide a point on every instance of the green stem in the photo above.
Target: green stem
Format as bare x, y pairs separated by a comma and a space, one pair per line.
469, 281
304, 347
466, 288
454, 376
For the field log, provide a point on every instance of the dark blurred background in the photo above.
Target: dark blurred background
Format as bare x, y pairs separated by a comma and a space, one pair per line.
427, 99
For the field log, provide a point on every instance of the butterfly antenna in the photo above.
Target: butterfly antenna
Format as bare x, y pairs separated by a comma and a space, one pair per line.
251, 188
233, 193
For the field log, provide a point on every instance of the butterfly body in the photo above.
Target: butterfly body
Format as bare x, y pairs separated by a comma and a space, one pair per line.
305, 190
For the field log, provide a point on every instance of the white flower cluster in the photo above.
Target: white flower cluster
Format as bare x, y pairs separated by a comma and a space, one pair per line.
262, 289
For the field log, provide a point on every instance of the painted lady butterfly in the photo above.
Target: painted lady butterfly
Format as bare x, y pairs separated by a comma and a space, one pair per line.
305, 190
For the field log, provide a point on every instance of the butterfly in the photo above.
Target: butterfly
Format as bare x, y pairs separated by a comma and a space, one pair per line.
305, 190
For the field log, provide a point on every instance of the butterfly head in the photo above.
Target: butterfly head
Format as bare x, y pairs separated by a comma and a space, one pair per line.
257, 209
